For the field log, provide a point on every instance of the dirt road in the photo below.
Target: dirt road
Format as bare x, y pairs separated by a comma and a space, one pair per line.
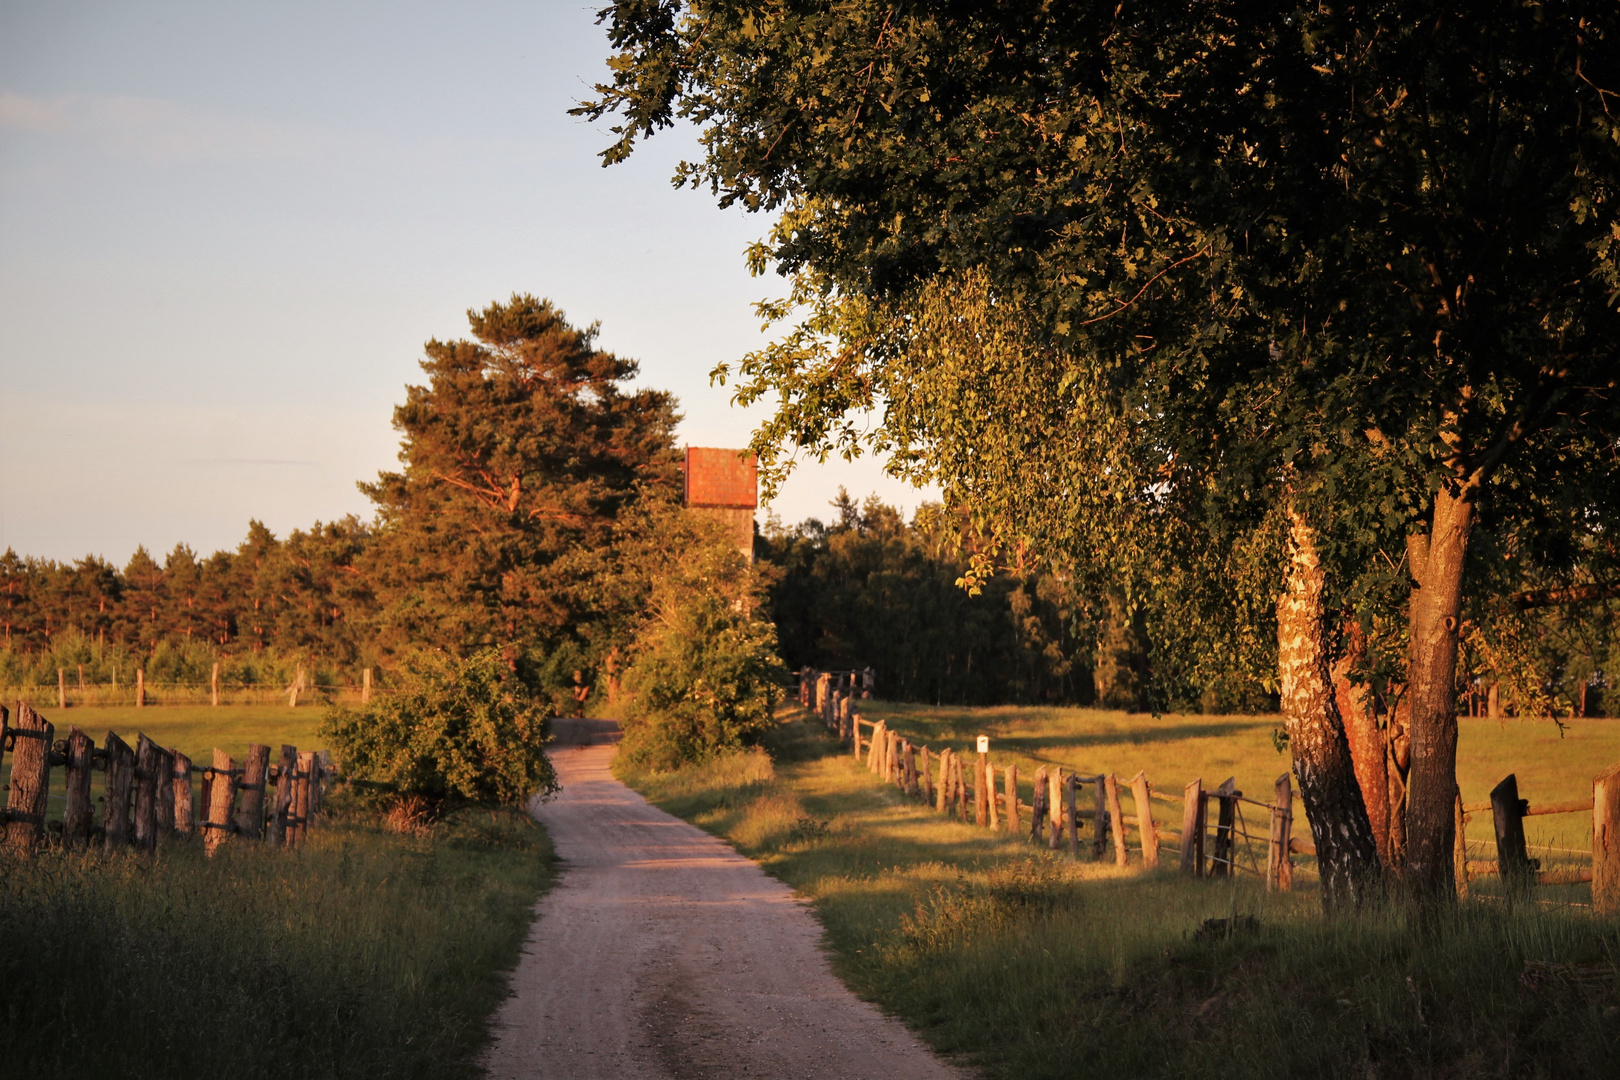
664, 954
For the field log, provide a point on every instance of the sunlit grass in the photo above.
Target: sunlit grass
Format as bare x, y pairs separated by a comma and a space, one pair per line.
362, 954
1033, 965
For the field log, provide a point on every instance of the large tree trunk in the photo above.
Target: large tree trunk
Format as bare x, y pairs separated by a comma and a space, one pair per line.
1431, 691
1369, 748
1345, 850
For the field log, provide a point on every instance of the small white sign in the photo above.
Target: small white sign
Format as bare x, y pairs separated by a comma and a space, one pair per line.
984, 744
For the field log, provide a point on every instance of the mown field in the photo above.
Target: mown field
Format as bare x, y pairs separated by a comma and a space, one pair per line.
362, 954
1030, 965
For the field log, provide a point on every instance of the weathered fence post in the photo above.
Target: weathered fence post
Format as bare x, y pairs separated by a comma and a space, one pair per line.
365, 687
148, 766
1606, 842
140, 687
115, 805
926, 777
1037, 807
874, 753
221, 802
1013, 825
1142, 794
285, 768
1192, 829
1054, 800
320, 769
1099, 820
1279, 861
296, 687
984, 792
1507, 812
1220, 865
1116, 817
250, 813
1071, 789
78, 813
301, 808
29, 790
61, 688
213, 685
960, 774
185, 818
911, 769
855, 723
1459, 847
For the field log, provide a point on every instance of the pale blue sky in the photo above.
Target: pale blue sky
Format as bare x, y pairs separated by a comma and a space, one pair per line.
226, 230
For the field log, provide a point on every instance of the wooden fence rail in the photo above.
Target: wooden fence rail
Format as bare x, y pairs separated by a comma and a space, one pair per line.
1220, 846
147, 791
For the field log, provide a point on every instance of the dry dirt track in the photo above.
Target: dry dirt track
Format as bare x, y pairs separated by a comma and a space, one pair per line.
664, 954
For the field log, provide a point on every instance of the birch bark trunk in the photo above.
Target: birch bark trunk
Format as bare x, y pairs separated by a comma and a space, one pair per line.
1346, 852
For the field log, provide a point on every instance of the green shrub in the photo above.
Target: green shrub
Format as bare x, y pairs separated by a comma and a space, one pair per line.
703, 676
454, 732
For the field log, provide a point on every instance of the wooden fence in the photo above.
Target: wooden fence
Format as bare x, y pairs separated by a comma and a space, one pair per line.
148, 791
1218, 844
71, 689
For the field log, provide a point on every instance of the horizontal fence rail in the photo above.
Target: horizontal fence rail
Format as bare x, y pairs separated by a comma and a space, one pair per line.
71, 690
1223, 833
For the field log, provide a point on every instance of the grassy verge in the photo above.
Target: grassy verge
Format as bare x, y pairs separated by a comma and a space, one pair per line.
362, 954
1033, 966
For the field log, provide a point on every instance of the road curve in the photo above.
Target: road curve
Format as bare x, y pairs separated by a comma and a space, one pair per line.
662, 953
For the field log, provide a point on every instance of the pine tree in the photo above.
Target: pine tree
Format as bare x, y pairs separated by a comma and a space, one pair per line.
518, 457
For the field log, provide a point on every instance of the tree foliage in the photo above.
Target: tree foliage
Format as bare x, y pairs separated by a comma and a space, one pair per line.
519, 455
457, 730
700, 671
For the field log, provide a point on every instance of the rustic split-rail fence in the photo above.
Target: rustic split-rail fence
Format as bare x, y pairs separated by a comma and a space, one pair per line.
148, 791
1213, 841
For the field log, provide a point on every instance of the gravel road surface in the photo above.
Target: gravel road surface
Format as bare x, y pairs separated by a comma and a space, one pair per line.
662, 953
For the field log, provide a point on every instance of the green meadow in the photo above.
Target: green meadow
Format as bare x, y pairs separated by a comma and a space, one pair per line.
1029, 965
385, 954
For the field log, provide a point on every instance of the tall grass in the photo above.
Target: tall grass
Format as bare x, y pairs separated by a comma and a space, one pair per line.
1032, 966
362, 954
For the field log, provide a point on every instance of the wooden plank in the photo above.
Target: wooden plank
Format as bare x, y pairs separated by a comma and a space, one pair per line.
1014, 825
78, 815
221, 803
1606, 842
1071, 788
1459, 848
285, 768
1099, 819
1220, 865
1037, 809
300, 808
148, 776
1192, 829
250, 810
1111, 791
185, 821
1142, 793
1054, 799
28, 793
1507, 815
116, 792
